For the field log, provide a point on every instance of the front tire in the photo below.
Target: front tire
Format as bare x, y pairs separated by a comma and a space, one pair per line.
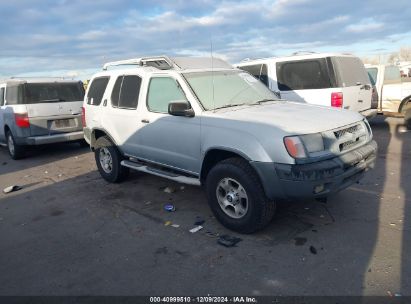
108, 160
237, 198
16, 151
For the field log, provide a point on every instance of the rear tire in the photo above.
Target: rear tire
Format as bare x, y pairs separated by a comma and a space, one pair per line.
108, 159
16, 151
407, 119
234, 180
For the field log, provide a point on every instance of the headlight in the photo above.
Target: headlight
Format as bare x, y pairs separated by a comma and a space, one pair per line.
299, 146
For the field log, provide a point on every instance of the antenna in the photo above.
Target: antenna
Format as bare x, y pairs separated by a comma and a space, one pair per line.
212, 69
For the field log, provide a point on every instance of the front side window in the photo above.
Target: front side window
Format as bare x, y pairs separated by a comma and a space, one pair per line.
1, 97
161, 92
259, 71
96, 90
53, 92
303, 75
227, 88
392, 74
126, 91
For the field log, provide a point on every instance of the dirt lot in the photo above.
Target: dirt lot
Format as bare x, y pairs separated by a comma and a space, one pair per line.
68, 232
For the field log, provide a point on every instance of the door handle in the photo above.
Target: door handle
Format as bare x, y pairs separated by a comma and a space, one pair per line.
145, 121
105, 102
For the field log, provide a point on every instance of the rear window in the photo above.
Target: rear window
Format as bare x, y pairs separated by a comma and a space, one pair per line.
392, 74
350, 71
372, 74
2, 97
303, 75
96, 90
52, 92
259, 71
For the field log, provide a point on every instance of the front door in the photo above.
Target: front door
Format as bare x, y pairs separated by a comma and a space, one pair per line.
2, 107
165, 139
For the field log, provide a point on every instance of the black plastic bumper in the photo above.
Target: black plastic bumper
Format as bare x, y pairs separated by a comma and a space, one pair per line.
318, 179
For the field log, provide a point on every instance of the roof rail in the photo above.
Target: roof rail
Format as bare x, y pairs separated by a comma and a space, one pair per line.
303, 52
42, 77
159, 62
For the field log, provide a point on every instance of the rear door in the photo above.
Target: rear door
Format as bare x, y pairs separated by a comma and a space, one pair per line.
94, 102
354, 81
391, 89
306, 80
53, 107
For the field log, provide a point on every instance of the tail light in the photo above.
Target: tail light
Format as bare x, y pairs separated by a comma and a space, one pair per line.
22, 120
83, 116
337, 100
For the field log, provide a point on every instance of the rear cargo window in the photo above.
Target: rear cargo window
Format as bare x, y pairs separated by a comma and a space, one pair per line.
96, 90
351, 71
303, 75
125, 92
259, 71
53, 92
1, 97
372, 74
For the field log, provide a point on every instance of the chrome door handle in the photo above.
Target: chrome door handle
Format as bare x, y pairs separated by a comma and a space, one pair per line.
145, 121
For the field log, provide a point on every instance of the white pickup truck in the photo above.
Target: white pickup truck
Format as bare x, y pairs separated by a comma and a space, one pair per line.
394, 96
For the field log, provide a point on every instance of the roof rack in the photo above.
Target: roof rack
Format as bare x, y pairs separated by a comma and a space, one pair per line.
303, 52
159, 62
36, 77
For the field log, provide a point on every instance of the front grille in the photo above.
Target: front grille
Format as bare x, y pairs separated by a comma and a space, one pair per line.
340, 133
350, 137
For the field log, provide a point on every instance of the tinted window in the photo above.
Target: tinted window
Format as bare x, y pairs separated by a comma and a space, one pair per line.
96, 91
13, 94
303, 75
2, 97
259, 71
52, 92
162, 90
125, 92
351, 71
392, 74
372, 74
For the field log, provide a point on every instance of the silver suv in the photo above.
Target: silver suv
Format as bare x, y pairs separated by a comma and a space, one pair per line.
200, 121
36, 111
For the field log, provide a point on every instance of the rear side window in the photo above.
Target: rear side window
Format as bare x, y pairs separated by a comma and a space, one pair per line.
14, 94
125, 92
372, 74
350, 71
53, 92
303, 75
1, 97
392, 74
259, 71
96, 90
161, 92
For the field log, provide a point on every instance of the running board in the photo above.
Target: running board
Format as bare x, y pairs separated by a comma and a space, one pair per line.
158, 172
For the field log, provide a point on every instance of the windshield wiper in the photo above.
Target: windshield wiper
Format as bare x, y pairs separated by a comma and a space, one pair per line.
229, 106
264, 100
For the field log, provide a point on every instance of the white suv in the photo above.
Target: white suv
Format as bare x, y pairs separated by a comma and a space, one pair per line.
337, 80
200, 121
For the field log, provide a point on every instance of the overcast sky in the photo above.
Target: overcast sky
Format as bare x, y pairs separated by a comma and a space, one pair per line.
72, 37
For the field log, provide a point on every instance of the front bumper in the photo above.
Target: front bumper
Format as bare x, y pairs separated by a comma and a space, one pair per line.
49, 139
318, 179
370, 113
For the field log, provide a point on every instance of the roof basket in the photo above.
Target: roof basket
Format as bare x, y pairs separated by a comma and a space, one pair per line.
159, 62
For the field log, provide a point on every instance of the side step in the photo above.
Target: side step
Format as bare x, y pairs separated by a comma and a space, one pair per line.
158, 172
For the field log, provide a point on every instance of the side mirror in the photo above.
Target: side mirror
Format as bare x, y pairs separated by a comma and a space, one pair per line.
180, 108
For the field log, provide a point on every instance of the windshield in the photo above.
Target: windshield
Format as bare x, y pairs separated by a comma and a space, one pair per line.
228, 88
53, 92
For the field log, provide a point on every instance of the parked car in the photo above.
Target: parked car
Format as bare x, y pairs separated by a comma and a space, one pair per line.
200, 121
336, 80
394, 94
36, 111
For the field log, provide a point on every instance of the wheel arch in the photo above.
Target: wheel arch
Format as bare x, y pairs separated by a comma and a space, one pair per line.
96, 133
403, 103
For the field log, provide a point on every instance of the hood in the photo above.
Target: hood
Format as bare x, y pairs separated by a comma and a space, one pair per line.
291, 117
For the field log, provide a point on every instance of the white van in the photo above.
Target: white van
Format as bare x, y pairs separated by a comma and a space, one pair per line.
337, 80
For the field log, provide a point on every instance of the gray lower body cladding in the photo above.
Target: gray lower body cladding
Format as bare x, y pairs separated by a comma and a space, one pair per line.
318, 179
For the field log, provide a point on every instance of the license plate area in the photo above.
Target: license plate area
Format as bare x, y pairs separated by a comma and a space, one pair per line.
62, 124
